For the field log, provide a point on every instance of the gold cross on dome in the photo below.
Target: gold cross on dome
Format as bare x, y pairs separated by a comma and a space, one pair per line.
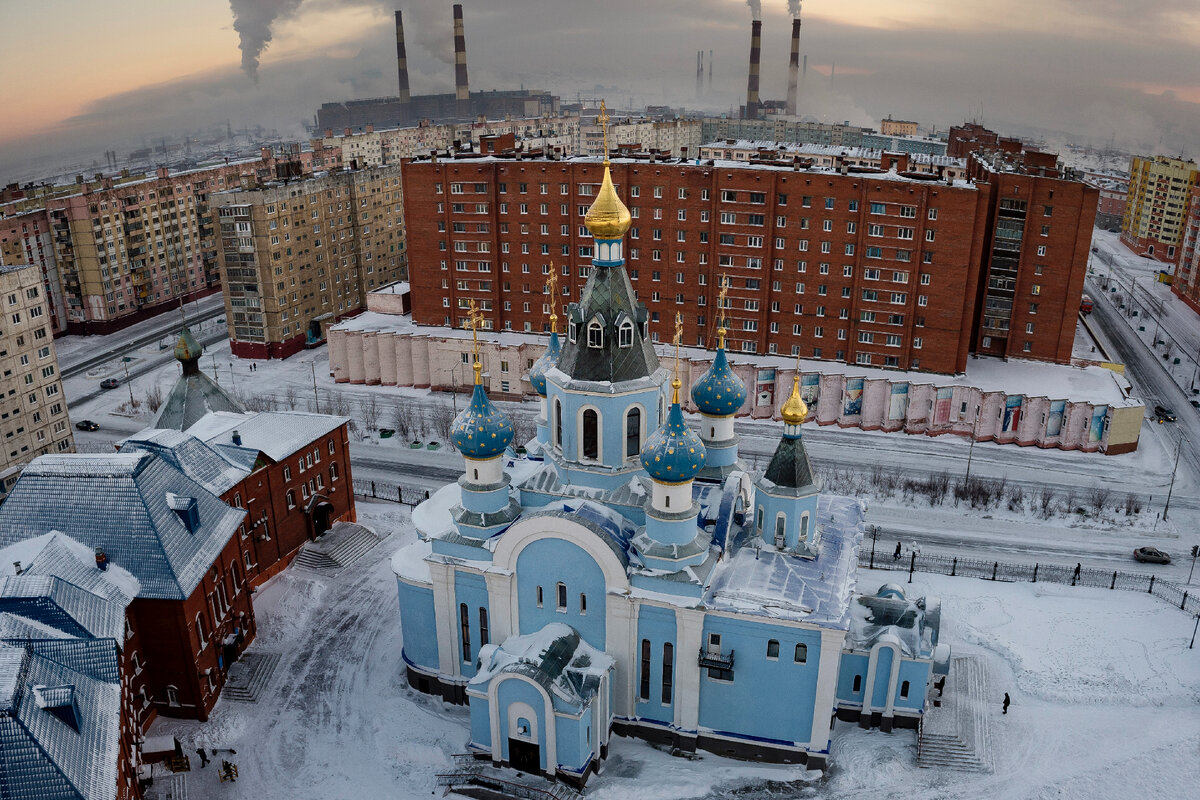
553, 299
474, 322
602, 120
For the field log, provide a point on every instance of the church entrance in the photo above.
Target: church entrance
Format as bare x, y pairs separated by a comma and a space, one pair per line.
524, 756
322, 515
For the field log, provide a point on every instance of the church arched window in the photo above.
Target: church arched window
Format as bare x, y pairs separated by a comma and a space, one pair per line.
595, 334
591, 434
625, 334
804, 527
633, 432
780, 524
557, 422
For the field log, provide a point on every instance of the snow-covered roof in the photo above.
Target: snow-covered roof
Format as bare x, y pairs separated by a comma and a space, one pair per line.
214, 470
556, 657
119, 502
911, 624
278, 434
191, 398
763, 582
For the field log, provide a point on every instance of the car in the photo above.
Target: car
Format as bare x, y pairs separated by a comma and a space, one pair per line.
1151, 555
109, 383
87, 425
1195, 403
1164, 413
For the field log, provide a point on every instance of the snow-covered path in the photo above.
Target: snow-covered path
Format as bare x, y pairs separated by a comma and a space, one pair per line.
1106, 702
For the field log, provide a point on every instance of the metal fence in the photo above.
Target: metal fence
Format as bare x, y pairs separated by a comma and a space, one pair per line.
379, 490
915, 561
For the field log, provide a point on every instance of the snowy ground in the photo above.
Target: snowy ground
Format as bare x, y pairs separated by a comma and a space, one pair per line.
1106, 702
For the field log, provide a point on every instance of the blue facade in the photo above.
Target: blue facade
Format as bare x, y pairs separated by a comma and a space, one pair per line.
511, 691
582, 594
656, 630
417, 625
470, 595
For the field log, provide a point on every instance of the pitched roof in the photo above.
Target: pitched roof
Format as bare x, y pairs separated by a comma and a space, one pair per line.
277, 434
213, 470
191, 398
60, 727
607, 297
790, 467
118, 502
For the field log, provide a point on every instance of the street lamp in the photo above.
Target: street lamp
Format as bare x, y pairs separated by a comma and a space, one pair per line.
1174, 469
971, 449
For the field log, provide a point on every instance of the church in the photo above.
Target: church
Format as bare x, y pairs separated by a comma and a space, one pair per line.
630, 575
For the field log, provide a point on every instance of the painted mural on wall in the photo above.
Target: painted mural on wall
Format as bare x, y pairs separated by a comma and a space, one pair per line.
1012, 413
1058, 409
898, 406
810, 389
941, 407
1096, 431
853, 404
765, 389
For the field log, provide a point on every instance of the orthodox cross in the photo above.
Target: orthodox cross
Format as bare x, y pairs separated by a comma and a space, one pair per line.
603, 121
553, 299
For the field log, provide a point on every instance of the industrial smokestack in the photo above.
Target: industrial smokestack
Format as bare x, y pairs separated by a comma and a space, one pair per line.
402, 66
461, 92
699, 73
752, 81
710, 59
794, 68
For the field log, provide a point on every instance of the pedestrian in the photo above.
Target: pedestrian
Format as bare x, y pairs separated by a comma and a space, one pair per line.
1075, 579
1007, 701
203, 756
896, 554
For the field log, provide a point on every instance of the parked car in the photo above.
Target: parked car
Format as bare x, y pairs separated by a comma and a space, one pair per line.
87, 425
1195, 403
109, 383
1164, 413
1151, 555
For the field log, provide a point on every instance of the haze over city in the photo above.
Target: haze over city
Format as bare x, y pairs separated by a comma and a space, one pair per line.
83, 78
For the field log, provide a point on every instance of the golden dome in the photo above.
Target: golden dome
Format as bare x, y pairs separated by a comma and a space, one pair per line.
794, 410
608, 218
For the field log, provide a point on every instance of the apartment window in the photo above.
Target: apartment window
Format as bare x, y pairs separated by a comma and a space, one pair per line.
917, 343
878, 208
932, 214
929, 234
1041, 251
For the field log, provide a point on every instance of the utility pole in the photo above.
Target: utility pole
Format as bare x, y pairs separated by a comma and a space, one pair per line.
971, 449
316, 399
1174, 469
128, 382
1195, 553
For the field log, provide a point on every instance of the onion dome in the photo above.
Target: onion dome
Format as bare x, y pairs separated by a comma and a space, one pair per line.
673, 453
794, 409
719, 392
549, 359
608, 218
480, 431
187, 348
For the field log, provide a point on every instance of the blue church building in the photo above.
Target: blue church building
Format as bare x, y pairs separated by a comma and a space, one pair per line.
630, 575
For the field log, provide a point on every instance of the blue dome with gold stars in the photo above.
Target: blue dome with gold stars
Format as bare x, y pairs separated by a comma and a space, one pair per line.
719, 392
549, 359
673, 453
480, 431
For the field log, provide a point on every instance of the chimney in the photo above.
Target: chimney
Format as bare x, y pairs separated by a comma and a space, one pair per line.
237, 437
402, 68
710, 60
699, 73
794, 68
752, 80
17, 567
101, 560
462, 93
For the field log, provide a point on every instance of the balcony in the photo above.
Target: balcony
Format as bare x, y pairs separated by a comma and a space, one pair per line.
714, 659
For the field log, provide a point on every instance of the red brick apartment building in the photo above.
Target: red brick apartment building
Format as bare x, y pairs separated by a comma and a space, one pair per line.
886, 268
1187, 276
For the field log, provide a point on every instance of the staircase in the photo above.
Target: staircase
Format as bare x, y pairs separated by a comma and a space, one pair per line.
956, 735
339, 547
249, 676
479, 779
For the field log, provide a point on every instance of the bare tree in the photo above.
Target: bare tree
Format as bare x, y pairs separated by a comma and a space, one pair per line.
370, 413
524, 429
154, 398
1016, 498
290, 397
1132, 505
1045, 500
1098, 498
442, 416
402, 421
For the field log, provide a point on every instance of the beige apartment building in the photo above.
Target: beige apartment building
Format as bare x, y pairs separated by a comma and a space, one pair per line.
897, 127
1156, 206
297, 256
33, 409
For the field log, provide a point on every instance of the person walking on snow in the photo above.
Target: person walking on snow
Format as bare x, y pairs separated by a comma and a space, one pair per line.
1007, 701
896, 554
203, 756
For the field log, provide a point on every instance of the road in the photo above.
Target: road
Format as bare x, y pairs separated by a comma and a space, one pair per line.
143, 367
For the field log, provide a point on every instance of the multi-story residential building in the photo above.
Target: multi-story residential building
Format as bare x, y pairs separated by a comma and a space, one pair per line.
25, 238
827, 156
964, 139
33, 409
1187, 275
1114, 191
374, 147
892, 269
781, 129
897, 127
1156, 206
127, 248
296, 256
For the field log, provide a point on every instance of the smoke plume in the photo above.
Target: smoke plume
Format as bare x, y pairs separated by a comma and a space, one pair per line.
755, 8
252, 19
794, 8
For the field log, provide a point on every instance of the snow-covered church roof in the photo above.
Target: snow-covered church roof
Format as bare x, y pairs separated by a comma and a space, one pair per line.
556, 657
